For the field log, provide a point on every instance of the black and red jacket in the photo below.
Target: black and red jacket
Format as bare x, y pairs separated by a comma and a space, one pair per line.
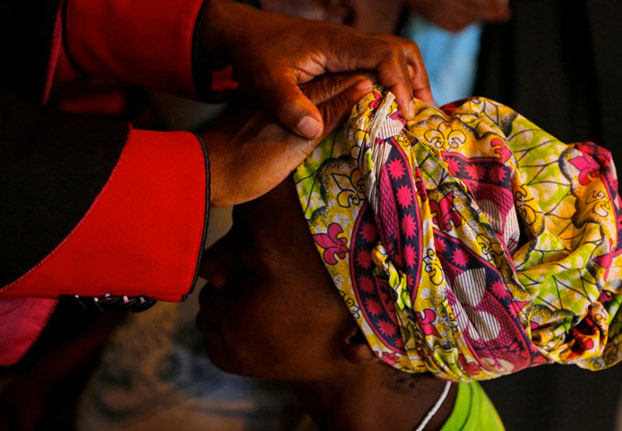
90, 205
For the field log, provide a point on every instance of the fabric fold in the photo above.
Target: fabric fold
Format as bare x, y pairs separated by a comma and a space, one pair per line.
468, 242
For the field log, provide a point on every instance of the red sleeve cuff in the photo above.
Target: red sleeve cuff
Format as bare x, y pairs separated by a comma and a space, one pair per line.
143, 234
146, 42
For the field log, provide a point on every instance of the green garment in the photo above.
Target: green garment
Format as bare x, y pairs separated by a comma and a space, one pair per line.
473, 411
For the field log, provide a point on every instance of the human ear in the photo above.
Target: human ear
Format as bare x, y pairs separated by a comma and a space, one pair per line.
355, 347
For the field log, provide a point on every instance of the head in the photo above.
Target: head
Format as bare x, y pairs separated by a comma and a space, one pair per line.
270, 308
417, 225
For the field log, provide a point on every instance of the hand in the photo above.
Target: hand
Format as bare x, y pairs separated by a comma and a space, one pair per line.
251, 153
273, 54
455, 15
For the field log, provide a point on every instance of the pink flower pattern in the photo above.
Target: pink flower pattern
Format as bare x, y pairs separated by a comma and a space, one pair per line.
443, 212
334, 247
426, 319
587, 167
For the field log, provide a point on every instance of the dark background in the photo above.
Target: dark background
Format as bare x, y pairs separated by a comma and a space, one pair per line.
559, 64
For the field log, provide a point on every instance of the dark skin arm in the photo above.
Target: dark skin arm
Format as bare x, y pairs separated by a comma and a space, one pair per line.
250, 152
455, 15
273, 54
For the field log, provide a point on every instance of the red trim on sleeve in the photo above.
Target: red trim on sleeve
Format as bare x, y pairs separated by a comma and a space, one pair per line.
144, 232
21, 320
146, 42
55, 48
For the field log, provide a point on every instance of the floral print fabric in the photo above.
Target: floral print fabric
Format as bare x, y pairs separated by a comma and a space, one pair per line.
468, 242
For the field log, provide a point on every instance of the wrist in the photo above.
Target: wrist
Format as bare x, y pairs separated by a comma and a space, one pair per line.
220, 27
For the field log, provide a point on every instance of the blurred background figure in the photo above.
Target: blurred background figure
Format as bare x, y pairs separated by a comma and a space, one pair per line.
450, 58
448, 34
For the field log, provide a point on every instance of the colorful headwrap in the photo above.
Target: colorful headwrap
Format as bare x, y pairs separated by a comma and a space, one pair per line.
468, 242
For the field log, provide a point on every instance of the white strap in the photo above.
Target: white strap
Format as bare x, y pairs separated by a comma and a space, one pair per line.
434, 408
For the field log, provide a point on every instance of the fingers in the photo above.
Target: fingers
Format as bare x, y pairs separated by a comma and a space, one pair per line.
297, 109
393, 74
293, 109
328, 86
337, 109
249, 157
390, 57
334, 111
415, 68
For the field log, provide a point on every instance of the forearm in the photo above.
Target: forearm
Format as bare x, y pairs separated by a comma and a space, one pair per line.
93, 207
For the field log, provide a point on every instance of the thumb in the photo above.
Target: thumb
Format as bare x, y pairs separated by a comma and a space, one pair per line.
335, 110
292, 108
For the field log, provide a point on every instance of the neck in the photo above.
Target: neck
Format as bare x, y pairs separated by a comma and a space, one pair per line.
366, 401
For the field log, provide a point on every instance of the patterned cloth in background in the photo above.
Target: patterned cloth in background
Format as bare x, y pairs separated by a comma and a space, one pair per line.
468, 242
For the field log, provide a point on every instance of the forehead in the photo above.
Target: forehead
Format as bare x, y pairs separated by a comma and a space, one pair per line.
277, 238
275, 220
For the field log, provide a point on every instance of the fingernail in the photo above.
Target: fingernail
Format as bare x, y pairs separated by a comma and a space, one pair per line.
410, 110
364, 85
309, 127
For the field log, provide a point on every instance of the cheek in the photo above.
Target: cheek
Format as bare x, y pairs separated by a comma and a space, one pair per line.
276, 339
